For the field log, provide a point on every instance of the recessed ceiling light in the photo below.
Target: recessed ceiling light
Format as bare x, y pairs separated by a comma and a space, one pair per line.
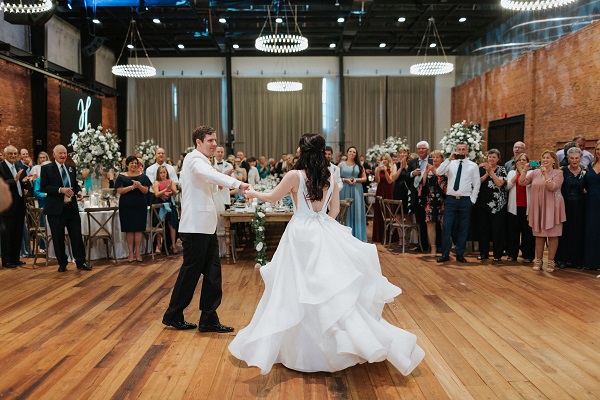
341, 19
156, 21
462, 19
331, 45
222, 20
96, 21
381, 44
181, 46
130, 46
401, 19
236, 46
432, 45
279, 20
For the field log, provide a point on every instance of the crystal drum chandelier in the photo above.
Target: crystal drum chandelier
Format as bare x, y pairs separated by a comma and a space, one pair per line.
134, 70
25, 6
432, 67
290, 41
533, 5
284, 86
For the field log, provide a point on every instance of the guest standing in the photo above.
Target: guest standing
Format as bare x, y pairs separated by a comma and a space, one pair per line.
417, 168
519, 231
592, 212
165, 186
547, 209
402, 178
435, 192
461, 195
491, 206
133, 186
58, 181
385, 189
353, 175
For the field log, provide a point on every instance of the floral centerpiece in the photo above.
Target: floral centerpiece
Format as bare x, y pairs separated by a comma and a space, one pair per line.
267, 184
95, 149
463, 132
258, 224
148, 150
189, 149
390, 145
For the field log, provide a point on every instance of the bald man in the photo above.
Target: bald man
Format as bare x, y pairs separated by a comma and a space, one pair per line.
13, 218
518, 149
59, 182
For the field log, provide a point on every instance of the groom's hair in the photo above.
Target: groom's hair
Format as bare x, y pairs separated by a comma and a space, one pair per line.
201, 132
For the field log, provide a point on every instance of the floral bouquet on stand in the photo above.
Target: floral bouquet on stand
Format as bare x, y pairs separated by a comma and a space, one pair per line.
260, 245
463, 132
96, 150
148, 150
391, 145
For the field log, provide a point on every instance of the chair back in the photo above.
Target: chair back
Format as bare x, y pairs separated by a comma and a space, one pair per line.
33, 217
160, 223
394, 211
344, 205
104, 228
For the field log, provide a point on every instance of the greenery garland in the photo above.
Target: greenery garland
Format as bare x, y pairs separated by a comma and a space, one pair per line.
258, 224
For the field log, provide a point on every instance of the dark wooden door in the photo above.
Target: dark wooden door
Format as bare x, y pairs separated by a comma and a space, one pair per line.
503, 133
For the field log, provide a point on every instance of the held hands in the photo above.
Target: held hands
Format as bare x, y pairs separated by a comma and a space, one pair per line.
246, 188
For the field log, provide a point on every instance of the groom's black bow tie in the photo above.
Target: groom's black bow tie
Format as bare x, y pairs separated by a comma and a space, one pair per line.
220, 163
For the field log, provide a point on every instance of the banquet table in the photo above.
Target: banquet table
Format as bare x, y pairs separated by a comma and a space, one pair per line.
98, 250
232, 217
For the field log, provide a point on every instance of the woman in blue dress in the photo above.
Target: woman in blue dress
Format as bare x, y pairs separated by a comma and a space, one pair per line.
592, 212
353, 175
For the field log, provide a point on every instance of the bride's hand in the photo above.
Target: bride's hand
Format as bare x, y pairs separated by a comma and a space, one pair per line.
251, 194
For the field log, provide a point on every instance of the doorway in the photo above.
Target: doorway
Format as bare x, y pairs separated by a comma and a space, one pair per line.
503, 133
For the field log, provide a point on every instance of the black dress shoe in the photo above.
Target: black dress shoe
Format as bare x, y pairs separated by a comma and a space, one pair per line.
62, 268
215, 328
461, 259
9, 266
85, 266
181, 325
20, 262
443, 259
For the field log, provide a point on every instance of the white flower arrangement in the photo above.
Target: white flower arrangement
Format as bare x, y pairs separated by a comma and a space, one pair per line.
391, 145
463, 132
267, 184
95, 149
148, 149
189, 149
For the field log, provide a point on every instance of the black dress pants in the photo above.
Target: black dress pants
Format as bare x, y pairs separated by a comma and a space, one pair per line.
520, 235
12, 234
200, 257
68, 219
491, 226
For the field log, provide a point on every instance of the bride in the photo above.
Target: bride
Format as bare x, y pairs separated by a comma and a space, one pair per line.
324, 291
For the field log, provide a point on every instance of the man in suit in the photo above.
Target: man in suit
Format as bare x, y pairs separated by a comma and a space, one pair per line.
197, 230
281, 165
462, 191
59, 182
417, 170
13, 219
334, 169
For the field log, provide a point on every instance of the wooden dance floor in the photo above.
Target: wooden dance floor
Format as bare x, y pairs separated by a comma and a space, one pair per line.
488, 331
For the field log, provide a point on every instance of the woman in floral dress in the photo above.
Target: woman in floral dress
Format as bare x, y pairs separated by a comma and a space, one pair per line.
435, 187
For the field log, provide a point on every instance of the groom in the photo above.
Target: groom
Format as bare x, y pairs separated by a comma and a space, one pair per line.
197, 230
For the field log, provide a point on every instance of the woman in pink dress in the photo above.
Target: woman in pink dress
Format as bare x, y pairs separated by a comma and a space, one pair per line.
547, 206
385, 189
165, 189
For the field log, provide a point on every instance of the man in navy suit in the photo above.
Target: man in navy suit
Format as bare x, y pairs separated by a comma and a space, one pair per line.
58, 181
13, 219
417, 169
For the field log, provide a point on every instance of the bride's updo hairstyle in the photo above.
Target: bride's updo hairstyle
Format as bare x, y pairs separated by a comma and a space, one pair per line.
313, 161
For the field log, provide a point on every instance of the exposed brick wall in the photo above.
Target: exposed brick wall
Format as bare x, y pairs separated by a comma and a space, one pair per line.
557, 88
15, 107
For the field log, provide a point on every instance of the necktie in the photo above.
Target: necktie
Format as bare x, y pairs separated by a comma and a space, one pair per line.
65, 177
457, 180
14, 173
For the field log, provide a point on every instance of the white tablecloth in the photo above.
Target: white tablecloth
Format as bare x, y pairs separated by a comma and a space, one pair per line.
98, 250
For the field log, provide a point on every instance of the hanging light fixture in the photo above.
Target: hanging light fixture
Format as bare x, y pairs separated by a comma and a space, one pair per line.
432, 67
290, 41
533, 5
25, 6
134, 70
284, 86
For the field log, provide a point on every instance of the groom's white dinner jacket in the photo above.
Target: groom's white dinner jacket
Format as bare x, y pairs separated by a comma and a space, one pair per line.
198, 179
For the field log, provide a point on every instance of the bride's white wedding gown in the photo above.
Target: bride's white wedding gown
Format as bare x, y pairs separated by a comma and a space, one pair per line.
321, 308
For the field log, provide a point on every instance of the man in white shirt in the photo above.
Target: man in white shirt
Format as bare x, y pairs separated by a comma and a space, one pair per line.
226, 168
253, 175
461, 195
161, 158
334, 169
586, 156
197, 230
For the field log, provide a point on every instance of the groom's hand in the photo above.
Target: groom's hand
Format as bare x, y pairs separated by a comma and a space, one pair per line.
245, 187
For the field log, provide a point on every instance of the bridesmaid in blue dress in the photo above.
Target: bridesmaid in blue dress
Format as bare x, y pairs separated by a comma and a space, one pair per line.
353, 175
592, 212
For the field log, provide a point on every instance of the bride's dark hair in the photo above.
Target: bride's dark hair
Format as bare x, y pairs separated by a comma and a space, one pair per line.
313, 161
